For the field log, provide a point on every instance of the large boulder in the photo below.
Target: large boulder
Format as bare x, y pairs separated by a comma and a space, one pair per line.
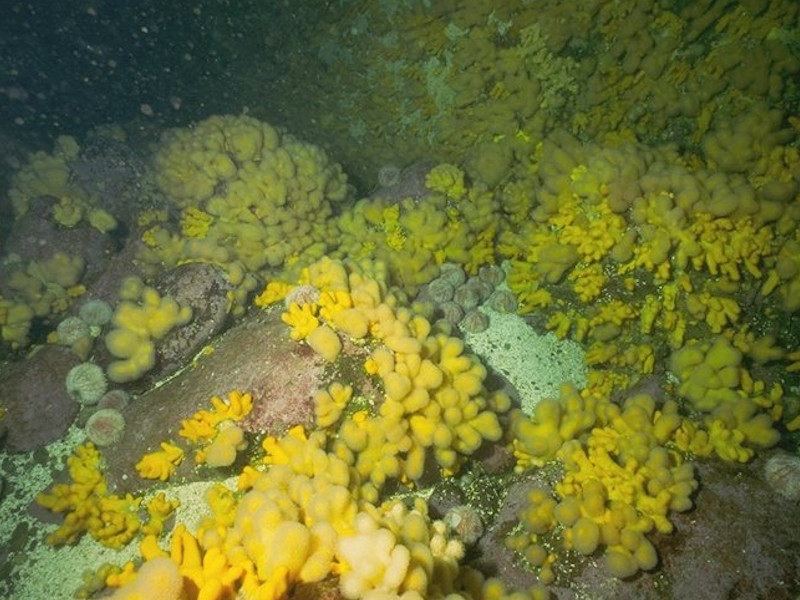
741, 541
34, 396
256, 356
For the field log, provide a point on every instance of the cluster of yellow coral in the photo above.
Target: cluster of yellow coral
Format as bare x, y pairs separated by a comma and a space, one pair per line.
435, 400
738, 414
301, 520
683, 250
110, 519
651, 257
160, 464
49, 176
686, 74
217, 430
37, 288
629, 250
638, 210
318, 494
252, 199
201, 427
453, 223
309, 509
622, 478
142, 317
625, 465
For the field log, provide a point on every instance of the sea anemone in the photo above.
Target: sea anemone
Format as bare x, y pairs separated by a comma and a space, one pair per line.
451, 312
782, 473
105, 427
440, 290
453, 273
491, 274
86, 383
474, 321
116, 399
485, 289
72, 330
302, 294
467, 296
388, 176
503, 301
96, 313
465, 522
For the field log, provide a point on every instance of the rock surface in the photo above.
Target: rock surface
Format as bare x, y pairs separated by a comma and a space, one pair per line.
255, 356
34, 395
204, 288
36, 236
741, 541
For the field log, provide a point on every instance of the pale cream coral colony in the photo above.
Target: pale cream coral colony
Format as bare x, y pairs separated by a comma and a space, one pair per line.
639, 248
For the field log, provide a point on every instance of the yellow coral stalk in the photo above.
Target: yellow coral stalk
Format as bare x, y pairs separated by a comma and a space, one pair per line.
160, 464
446, 179
201, 427
274, 292
301, 319
159, 509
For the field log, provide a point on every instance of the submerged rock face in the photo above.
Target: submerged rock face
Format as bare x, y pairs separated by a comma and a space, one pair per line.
33, 389
39, 409
36, 236
256, 356
114, 172
203, 288
741, 541
397, 184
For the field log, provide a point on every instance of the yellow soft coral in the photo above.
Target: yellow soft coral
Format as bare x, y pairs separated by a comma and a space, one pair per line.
159, 510
161, 463
208, 570
717, 311
195, 222
102, 220
589, 282
143, 316
592, 229
248, 195
794, 365
446, 179
273, 292
738, 414
329, 403
223, 502
216, 429
554, 421
302, 319
110, 519
222, 450
115, 520
709, 372
200, 427
75, 498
